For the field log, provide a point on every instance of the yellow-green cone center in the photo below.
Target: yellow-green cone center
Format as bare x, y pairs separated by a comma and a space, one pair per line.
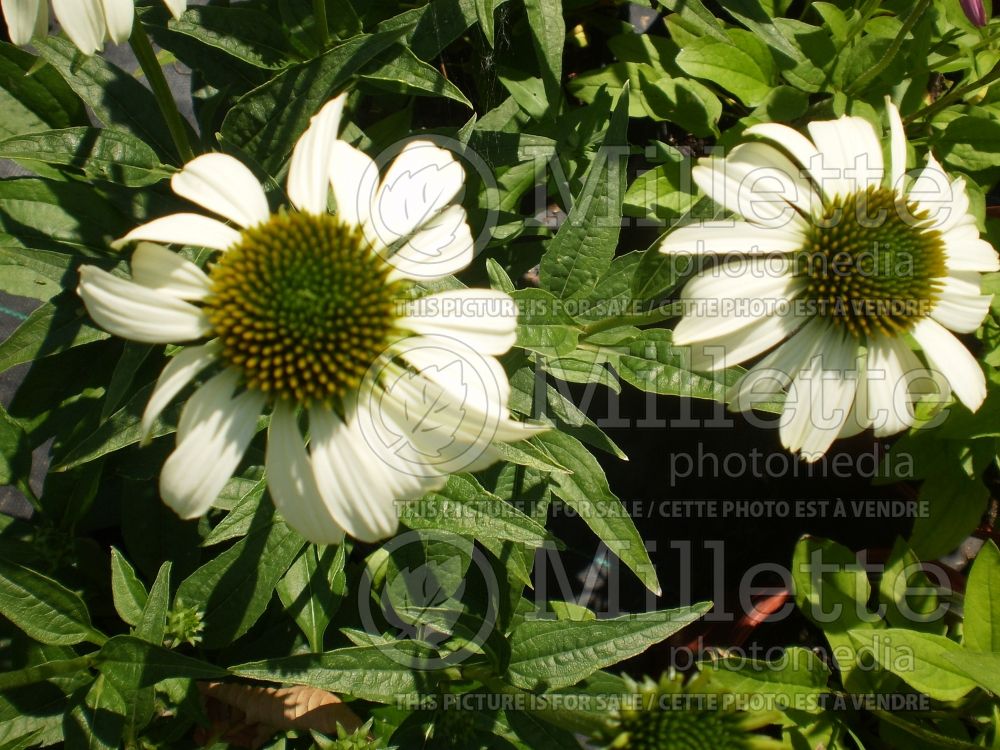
683, 730
872, 264
302, 306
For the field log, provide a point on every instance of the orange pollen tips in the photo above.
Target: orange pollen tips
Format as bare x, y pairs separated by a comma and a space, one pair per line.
303, 306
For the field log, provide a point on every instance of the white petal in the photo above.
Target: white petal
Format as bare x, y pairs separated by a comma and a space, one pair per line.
291, 482
176, 7
309, 172
139, 313
443, 246
801, 148
217, 430
820, 397
180, 370
949, 356
775, 372
945, 202
354, 178
184, 229
118, 16
966, 251
852, 155
960, 306
83, 21
759, 183
158, 268
891, 368
732, 237
485, 319
746, 343
858, 419
359, 488
421, 181
225, 186
897, 146
24, 19
733, 295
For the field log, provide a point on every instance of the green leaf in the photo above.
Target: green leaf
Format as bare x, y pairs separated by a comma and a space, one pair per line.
313, 588
683, 101
116, 98
586, 490
98, 718
463, 507
15, 451
583, 247
399, 70
956, 503
728, 66
665, 192
127, 591
268, 121
910, 599
39, 274
34, 100
131, 664
549, 654
485, 10
542, 323
832, 591
247, 34
797, 677
240, 519
105, 154
548, 34
970, 143
44, 609
365, 672
982, 601
233, 589
42, 672
152, 623
983, 668
919, 659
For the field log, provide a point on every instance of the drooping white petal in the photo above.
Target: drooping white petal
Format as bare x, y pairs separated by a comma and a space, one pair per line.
945, 202
858, 417
354, 178
84, 23
158, 268
733, 295
732, 237
960, 306
223, 185
184, 229
851, 155
966, 251
118, 16
217, 428
310, 168
180, 370
176, 7
759, 183
421, 181
486, 319
746, 343
25, 18
443, 246
358, 487
292, 483
897, 146
890, 369
949, 356
797, 145
435, 357
775, 372
821, 396
138, 313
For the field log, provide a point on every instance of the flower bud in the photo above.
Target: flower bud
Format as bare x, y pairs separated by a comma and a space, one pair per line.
975, 11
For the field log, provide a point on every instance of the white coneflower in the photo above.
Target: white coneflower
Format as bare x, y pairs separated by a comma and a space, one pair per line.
88, 23
853, 263
311, 316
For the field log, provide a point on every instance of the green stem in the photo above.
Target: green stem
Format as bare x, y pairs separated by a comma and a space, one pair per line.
890, 54
143, 49
43, 672
984, 42
319, 9
955, 94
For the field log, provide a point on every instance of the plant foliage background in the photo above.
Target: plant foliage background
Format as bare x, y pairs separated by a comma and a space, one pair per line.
119, 617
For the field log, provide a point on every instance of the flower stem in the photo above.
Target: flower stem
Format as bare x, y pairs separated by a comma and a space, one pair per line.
143, 49
890, 54
657, 315
319, 10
